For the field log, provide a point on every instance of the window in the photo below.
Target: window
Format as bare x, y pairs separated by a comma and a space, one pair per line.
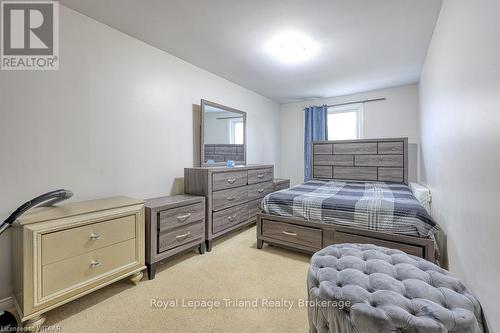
236, 131
345, 122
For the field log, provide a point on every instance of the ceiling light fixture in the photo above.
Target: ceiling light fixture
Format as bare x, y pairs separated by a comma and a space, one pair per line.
292, 47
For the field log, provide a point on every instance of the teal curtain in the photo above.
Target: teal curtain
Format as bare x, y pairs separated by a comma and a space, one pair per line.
315, 130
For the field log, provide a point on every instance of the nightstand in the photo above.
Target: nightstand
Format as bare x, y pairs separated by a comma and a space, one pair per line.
173, 224
281, 184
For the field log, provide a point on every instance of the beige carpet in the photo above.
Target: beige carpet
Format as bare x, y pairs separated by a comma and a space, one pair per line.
235, 270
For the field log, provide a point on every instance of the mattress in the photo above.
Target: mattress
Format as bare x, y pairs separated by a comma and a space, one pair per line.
379, 206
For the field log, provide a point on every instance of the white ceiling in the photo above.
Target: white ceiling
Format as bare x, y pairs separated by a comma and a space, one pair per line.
364, 44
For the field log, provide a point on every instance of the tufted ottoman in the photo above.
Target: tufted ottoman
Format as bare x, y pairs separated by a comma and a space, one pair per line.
367, 288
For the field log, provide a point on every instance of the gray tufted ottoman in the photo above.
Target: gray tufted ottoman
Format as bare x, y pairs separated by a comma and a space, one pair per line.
388, 291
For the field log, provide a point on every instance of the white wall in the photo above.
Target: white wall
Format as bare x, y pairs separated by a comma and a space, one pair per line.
115, 119
395, 117
460, 130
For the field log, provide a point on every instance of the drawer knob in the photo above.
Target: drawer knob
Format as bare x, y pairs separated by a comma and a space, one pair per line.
183, 236
231, 218
231, 198
231, 180
289, 233
182, 218
94, 236
260, 175
95, 263
260, 190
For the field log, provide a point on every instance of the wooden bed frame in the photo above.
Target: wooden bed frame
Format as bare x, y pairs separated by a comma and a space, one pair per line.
354, 160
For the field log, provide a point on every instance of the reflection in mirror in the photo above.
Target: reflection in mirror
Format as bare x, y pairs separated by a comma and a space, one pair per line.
223, 127
223, 134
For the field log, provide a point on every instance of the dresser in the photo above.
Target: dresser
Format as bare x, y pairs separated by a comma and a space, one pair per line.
64, 252
233, 195
173, 224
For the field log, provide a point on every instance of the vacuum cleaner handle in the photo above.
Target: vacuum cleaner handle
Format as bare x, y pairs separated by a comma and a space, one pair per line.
44, 200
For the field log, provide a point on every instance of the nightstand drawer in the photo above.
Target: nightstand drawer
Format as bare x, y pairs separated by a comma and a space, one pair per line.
176, 217
189, 233
68, 243
224, 180
281, 184
260, 175
83, 268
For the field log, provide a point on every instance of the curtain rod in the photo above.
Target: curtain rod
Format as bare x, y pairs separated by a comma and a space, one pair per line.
223, 118
357, 102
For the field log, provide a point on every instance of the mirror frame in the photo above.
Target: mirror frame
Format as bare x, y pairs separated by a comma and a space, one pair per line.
202, 133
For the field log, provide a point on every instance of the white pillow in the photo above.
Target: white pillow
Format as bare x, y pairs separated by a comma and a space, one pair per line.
423, 195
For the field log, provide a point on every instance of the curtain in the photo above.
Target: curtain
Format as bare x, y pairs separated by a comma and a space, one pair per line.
315, 130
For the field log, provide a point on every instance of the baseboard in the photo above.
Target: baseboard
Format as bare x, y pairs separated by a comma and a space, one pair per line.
6, 304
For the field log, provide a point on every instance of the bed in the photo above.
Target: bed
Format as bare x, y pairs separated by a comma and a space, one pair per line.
359, 194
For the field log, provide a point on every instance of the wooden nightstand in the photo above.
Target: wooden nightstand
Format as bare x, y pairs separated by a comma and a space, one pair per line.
173, 224
281, 184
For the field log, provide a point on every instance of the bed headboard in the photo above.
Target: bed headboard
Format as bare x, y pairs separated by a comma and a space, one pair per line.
361, 160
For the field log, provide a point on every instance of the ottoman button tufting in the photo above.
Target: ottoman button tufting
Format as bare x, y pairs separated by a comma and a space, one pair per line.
416, 295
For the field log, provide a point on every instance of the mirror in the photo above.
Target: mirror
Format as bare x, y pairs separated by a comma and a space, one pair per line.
223, 133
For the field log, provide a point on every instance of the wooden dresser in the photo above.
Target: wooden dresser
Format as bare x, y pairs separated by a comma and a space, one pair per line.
233, 195
64, 252
173, 224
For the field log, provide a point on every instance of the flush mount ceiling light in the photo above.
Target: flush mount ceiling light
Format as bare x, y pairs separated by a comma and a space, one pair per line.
292, 47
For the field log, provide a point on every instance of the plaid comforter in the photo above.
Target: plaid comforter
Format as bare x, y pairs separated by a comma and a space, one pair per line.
388, 207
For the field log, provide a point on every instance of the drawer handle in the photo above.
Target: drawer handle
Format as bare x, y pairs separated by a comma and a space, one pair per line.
183, 236
289, 233
260, 190
231, 180
231, 198
182, 218
231, 218
95, 263
94, 236
260, 175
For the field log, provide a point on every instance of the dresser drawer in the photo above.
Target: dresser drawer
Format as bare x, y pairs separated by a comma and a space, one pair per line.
260, 175
224, 180
80, 269
292, 233
176, 217
186, 234
68, 243
228, 198
260, 190
229, 217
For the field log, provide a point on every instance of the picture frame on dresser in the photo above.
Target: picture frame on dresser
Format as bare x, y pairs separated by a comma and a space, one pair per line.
233, 195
